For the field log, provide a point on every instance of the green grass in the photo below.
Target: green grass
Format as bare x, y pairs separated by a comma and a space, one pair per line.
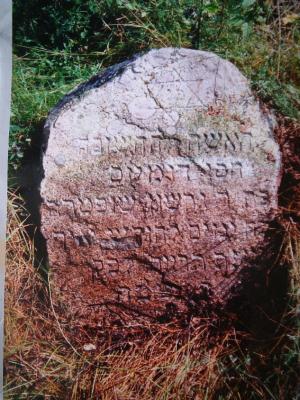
40, 79
244, 32
83, 38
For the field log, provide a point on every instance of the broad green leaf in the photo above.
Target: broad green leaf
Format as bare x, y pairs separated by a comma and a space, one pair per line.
248, 3
211, 8
245, 29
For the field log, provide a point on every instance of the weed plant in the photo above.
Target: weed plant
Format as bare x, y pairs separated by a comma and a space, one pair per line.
59, 44
229, 358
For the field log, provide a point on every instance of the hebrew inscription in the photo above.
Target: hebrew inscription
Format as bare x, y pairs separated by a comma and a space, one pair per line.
160, 183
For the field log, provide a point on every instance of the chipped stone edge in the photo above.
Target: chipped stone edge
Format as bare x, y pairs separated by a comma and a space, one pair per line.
111, 72
81, 90
108, 74
97, 81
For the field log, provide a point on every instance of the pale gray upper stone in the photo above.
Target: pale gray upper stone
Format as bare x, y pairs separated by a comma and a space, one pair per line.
161, 179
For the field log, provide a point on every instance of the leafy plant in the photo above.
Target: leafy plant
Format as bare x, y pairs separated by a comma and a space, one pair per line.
61, 43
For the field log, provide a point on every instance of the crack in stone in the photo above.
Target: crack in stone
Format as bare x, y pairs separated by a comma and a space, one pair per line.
154, 202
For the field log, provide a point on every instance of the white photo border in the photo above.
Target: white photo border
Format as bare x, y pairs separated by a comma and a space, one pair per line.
5, 98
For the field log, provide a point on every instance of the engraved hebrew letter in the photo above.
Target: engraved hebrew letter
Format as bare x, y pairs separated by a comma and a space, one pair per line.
189, 201
69, 204
221, 263
172, 201
135, 172
229, 143
237, 169
196, 263
116, 174
194, 231
100, 204
85, 206
97, 267
60, 237
156, 173
111, 266
212, 139
160, 234
221, 170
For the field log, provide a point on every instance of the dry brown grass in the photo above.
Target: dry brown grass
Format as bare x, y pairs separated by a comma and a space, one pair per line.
43, 362
40, 360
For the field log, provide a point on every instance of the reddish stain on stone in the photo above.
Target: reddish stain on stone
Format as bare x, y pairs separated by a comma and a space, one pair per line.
153, 203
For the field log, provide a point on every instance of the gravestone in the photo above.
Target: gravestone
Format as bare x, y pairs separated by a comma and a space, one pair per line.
160, 182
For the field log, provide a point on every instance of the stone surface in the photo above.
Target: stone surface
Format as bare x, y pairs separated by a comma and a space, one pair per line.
161, 180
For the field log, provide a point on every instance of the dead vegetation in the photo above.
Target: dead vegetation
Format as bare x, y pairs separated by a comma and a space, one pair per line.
235, 362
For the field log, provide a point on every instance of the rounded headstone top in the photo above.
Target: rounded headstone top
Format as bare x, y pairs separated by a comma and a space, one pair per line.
161, 178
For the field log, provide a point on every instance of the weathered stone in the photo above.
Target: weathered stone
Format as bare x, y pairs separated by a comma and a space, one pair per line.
161, 180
